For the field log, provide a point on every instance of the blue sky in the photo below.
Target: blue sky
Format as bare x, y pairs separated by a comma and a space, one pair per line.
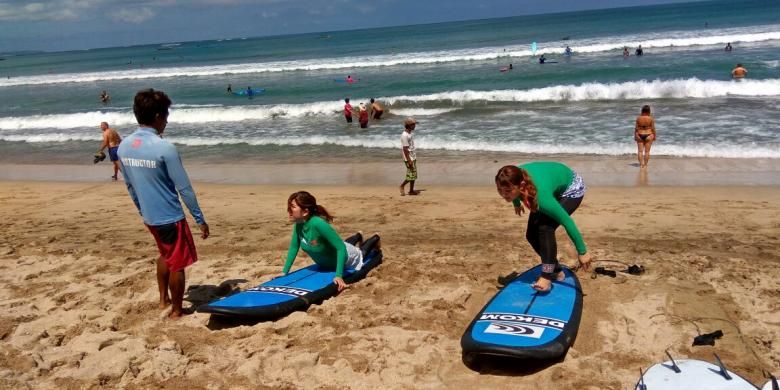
81, 24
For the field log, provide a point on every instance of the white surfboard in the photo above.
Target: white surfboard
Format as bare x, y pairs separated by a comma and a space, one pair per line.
770, 385
693, 375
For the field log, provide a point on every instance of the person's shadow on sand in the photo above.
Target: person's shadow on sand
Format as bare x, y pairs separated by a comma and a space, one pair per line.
507, 366
202, 294
199, 294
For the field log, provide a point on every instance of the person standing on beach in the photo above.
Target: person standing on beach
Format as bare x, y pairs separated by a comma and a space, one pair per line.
644, 135
363, 116
739, 72
111, 140
552, 192
376, 110
410, 156
155, 179
347, 110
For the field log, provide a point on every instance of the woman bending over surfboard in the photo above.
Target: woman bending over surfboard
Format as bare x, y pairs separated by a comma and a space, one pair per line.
313, 233
551, 191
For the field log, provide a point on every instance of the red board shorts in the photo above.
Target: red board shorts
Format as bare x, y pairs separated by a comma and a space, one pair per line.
176, 245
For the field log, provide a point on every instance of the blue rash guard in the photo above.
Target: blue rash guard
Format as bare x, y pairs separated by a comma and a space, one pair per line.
155, 178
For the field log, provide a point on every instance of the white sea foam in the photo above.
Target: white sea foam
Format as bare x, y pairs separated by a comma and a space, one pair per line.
406, 105
422, 111
678, 39
771, 64
720, 150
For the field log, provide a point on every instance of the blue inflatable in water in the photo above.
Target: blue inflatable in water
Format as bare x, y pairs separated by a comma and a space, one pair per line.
245, 92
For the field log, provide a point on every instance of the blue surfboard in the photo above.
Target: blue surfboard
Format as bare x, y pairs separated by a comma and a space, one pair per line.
521, 322
292, 292
243, 92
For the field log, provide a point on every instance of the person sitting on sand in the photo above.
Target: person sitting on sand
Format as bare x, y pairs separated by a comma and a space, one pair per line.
376, 110
644, 135
313, 233
739, 72
552, 192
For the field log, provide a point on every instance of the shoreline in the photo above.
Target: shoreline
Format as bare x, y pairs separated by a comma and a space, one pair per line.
467, 170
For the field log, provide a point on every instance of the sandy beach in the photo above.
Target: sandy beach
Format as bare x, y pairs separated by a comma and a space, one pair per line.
79, 309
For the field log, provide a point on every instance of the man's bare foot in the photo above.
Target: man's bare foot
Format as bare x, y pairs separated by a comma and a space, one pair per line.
175, 315
402, 190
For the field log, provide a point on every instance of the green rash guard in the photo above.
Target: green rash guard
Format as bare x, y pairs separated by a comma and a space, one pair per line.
321, 242
551, 180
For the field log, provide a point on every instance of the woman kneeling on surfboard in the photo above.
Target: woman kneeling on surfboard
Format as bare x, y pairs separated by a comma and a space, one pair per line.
551, 191
313, 233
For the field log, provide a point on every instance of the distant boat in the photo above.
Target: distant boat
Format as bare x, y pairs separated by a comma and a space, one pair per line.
168, 46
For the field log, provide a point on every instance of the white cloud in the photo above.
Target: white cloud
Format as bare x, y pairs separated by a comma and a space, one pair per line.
138, 15
20, 10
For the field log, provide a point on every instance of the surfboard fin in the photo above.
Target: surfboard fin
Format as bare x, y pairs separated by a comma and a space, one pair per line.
675, 367
723, 370
772, 378
641, 385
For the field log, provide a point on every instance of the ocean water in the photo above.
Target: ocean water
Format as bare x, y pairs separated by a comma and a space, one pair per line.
446, 75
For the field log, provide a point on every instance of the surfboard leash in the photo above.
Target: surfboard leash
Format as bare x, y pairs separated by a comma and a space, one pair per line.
698, 330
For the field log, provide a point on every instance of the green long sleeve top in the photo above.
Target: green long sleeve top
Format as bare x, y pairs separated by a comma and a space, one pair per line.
551, 180
321, 242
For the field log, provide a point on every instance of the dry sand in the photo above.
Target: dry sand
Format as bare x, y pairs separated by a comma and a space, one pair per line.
78, 292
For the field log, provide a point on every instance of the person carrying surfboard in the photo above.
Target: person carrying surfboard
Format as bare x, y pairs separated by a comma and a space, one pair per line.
313, 233
552, 192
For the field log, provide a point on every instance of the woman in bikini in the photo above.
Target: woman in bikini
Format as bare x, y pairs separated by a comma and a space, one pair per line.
644, 135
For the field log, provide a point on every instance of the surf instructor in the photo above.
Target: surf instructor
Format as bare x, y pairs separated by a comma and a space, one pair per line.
155, 179
552, 192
